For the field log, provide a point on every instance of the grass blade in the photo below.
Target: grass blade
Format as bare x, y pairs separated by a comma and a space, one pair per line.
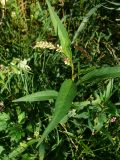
19, 149
39, 96
63, 103
84, 21
102, 73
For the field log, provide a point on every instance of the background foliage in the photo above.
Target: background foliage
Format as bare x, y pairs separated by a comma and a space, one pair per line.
90, 130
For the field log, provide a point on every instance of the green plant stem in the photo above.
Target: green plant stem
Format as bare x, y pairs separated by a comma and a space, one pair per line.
72, 67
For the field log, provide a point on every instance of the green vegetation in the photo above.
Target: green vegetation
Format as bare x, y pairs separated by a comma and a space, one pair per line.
59, 80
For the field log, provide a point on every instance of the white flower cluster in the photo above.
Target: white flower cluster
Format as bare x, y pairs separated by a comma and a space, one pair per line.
3, 2
23, 65
113, 119
13, 14
16, 66
48, 45
67, 61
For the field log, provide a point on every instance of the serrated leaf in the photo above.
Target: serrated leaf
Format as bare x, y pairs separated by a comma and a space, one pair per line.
21, 117
99, 74
3, 125
39, 96
3, 121
4, 116
63, 103
61, 31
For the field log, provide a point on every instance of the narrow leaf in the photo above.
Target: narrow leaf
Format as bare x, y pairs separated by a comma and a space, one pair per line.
85, 21
109, 90
61, 31
63, 103
41, 152
39, 96
114, 3
102, 73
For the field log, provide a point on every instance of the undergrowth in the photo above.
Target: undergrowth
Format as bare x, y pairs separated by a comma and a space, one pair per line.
74, 66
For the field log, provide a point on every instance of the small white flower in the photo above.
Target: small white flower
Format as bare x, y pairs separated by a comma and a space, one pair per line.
59, 49
3, 2
23, 144
113, 119
72, 113
67, 61
13, 14
1, 67
23, 65
36, 134
29, 138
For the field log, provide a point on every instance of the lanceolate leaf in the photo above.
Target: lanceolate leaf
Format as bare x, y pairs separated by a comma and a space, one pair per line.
39, 96
63, 103
114, 3
102, 73
61, 31
85, 21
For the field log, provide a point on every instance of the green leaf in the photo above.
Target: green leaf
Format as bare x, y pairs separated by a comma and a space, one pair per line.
109, 90
85, 21
84, 115
21, 117
99, 74
39, 96
19, 149
63, 103
3, 121
99, 122
114, 3
1, 149
41, 152
16, 133
61, 31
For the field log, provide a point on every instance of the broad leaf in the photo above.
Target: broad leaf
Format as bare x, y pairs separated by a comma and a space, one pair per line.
63, 103
102, 73
99, 122
3, 121
61, 31
39, 96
